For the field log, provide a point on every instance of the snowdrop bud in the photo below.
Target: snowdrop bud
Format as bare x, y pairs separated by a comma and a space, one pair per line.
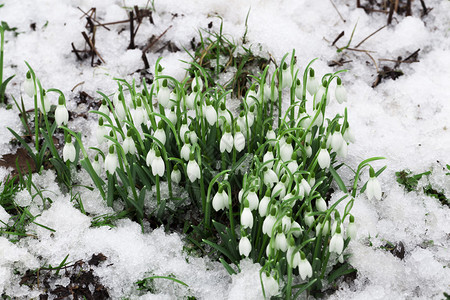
298, 89
251, 96
312, 179
217, 201
96, 165
270, 178
373, 188
280, 240
160, 134
296, 229
271, 136
337, 140
253, 200
264, 204
286, 76
183, 129
197, 84
337, 242
251, 116
193, 136
69, 151
120, 110
116, 98
239, 140
101, 131
139, 114
245, 247
308, 150
268, 223
321, 205
324, 158
351, 228
28, 85
240, 194
246, 216
150, 157
104, 107
340, 93
164, 95
313, 84
304, 267
172, 116
175, 176
210, 114
226, 142
158, 166
349, 137
273, 93
61, 113
185, 151
128, 144
286, 150
268, 157
193, 170
111, 161
309, 220
190, 99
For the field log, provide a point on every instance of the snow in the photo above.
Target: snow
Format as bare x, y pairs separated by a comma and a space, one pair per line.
406, 120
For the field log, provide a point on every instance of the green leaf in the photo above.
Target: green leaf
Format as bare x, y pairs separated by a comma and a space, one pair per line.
342, 270
227, 267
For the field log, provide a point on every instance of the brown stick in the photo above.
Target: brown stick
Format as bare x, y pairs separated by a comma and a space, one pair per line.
91, 45
338, 37
412, 55
76, 52
408, 8
343, 20
370, 35
98, 23
131, 45
391, 12
155, 40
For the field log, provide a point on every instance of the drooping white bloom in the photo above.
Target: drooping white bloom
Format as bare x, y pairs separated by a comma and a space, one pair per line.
281, 241
373, 188
223, 113
340, 93
197, 83
190, 100
306, 186
342, 152
319, 120
150, 157
175, 176
270, 177
129, 145
324, 158
281, 188
239, 140
337, 140
164, 95
320, 93
111, 161
286, 223
46, 103
253, 200
351, 228
264, 204
298, 89
220, 200
193, 170
308, 150
337, 242
61, 115
312, 84
172, 116
293, 258
296, 229
293, 166
271, 286
245, 247
268, 157
158, 166
183, 129
246, 218
286, 76
309, 219
349, 137
185, 151
210, 114
101, 131
160, 134
96, 165
120, 111
271, 137
226, 142
251, 116
304, 267
104, 108
321, 205
69, 151
268, 223
28, 85
193, 137
251, 97
286, 150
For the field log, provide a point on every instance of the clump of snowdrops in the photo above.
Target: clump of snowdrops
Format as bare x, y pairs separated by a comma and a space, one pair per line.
259, 172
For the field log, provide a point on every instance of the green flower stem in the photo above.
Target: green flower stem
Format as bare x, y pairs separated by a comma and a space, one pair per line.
207, 209
230, 211
158, 190
2, 40
36, 110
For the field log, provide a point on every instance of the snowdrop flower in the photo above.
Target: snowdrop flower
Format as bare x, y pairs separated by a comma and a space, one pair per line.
351, 228
128, 144
293, 165
101, 131
271, 286
116, 97
348, 136
226, 142
337, 242
340, 93
158, 166
325, 229
312, 179
286, 150
246, 216
223, 112
268, 157
373, 188
286, 222
271, 136
172, 116
324, 158
251, 116
173, 99
190, 99
304, 267
242, 122
309, 220
280, 188
270, 178
321, 205
308, 150
175, 176
210, 113
253, 200
298, 89
321, 92
150, 157
313, 84
197, 83
193, 170
61, 113
244, 246
263, 93
239, 140
319, 120
164, 95
139, 114
96, 165
343, 150
183, 129
46, 103
280, 240
306, 187
28, 85
251, 97
111, 161
193, 136
185, 151
160, 134
104, 108
293, 258
286, 77
337, 140
220, 199
296, 229
69, 151
120, 111
269, 222
264, 204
